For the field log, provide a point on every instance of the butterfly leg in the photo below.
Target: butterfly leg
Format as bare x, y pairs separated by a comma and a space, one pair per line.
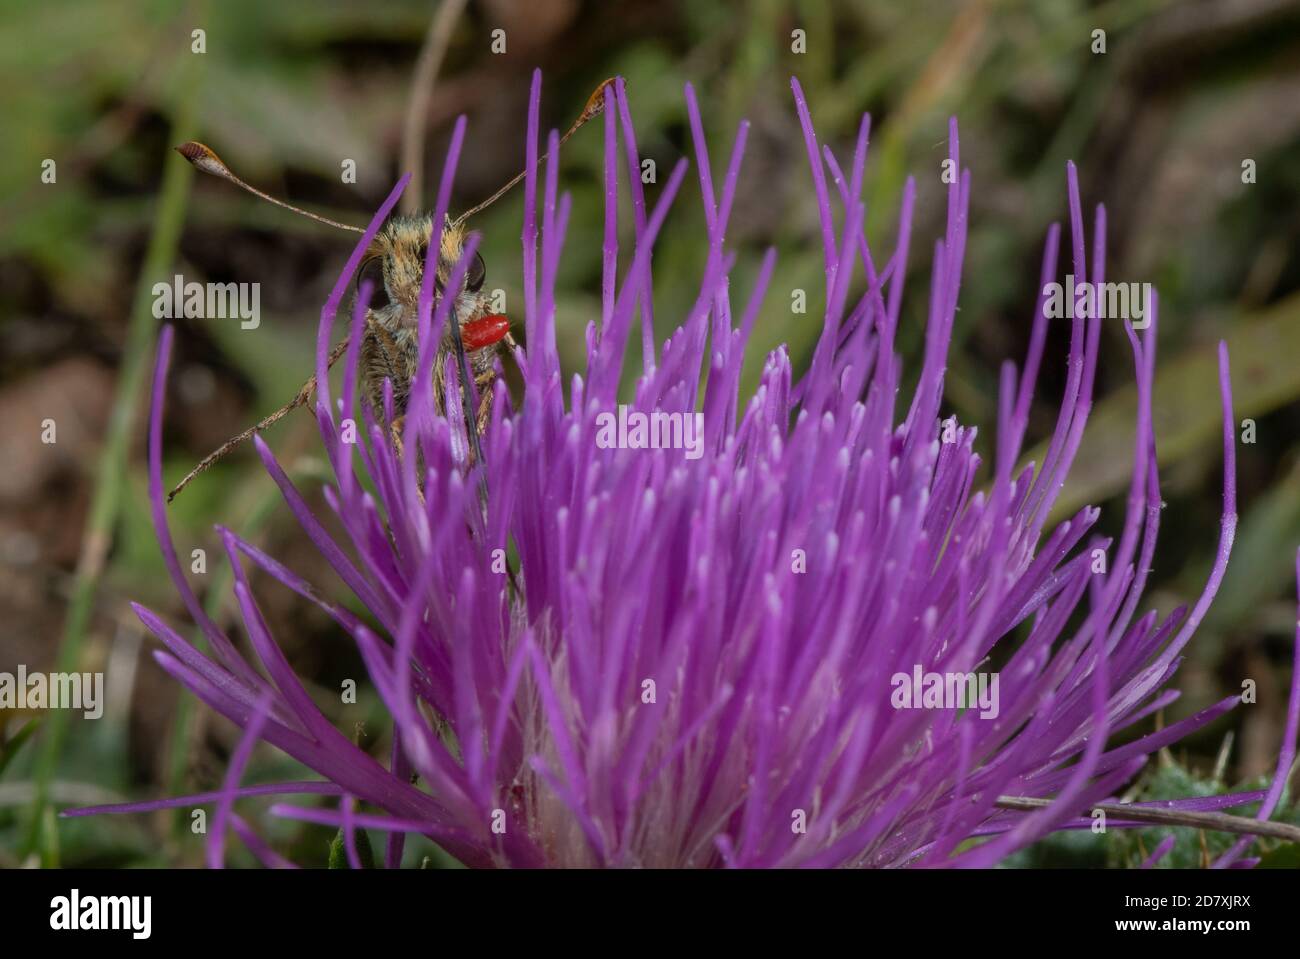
484, 385
395, 431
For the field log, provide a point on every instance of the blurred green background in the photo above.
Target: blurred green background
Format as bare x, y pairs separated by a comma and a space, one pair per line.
1159, 125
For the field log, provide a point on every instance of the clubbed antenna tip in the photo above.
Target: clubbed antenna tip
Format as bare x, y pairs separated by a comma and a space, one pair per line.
203, 157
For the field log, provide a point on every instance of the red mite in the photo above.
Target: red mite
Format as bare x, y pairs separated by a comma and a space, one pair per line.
485, 331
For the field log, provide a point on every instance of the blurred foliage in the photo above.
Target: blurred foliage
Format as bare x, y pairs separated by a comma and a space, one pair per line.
1159, 126
10, 744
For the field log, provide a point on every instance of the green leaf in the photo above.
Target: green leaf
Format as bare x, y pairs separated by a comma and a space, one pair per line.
339, 851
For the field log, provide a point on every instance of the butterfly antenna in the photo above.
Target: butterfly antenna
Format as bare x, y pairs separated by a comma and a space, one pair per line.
203, 157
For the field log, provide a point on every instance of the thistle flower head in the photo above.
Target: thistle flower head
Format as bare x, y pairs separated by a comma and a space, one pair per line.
641, 657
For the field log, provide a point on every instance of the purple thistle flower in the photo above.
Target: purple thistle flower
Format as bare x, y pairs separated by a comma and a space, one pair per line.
694, 663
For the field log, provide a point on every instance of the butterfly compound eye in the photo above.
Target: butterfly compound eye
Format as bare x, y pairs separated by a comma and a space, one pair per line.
476, 274
373, 270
